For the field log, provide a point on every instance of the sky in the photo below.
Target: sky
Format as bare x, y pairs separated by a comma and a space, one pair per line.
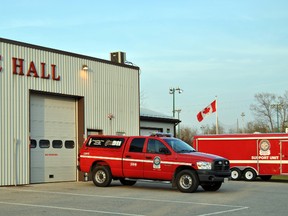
232, 49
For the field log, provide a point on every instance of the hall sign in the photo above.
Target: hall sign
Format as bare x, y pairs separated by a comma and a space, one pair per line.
40, 71
18, 69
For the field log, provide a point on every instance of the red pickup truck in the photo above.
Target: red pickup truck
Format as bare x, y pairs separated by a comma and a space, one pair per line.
161, 158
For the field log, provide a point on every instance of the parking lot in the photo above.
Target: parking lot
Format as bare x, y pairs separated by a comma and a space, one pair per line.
144, 198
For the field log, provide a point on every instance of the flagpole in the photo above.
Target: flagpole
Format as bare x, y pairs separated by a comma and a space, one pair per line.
217, 130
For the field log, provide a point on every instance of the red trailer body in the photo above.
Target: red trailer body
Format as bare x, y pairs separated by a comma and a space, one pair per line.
250, 155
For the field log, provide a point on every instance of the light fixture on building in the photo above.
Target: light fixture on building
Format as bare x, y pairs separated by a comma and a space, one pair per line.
85, 67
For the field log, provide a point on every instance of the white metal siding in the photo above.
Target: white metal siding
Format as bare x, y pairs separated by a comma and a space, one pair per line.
106, 88
150, 124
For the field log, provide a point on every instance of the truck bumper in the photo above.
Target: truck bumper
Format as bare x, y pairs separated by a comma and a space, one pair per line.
213, 176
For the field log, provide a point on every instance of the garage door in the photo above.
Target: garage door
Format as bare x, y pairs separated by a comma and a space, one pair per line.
53, 138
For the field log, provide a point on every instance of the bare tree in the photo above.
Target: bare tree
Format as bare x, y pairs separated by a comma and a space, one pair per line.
253, 127
263, 109
282, 111
207, 129
187, 134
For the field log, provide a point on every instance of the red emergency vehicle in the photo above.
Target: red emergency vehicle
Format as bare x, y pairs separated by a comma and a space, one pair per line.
250, 155
159, 157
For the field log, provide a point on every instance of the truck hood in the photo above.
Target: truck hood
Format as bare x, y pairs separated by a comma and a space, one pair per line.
200, 156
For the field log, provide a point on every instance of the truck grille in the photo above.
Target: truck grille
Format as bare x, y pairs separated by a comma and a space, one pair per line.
221, 165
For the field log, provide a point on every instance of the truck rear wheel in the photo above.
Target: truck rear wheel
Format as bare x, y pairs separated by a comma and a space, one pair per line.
236, 174
249, 174
212, 186
187, 181
101, 176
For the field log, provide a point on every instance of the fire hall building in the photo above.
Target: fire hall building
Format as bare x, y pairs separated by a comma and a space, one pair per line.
50, 100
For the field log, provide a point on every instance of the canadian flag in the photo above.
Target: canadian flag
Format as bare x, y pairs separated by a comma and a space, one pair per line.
207, 111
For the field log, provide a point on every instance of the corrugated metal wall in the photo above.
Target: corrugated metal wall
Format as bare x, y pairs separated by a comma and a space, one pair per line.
107, 88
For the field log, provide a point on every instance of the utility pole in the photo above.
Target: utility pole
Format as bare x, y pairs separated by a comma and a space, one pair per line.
172, 91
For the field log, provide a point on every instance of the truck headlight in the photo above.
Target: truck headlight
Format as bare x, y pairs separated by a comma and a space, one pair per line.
204, 165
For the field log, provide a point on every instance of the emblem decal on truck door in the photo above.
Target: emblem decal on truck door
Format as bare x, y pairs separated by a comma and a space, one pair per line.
157, 162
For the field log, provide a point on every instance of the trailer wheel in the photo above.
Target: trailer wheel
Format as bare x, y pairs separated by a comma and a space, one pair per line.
127, 182
249, 174
236, 174
187, 181
212, 186
101, 176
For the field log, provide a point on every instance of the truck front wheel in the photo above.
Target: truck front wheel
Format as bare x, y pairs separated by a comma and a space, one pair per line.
187, 181
101, 176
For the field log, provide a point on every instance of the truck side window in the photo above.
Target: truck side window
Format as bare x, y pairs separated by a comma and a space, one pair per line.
137, 145
102, 142
155, 146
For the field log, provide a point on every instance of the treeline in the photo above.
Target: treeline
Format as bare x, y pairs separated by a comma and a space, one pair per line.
270, 115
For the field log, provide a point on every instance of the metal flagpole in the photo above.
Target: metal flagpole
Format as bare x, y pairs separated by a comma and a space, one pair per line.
217, 130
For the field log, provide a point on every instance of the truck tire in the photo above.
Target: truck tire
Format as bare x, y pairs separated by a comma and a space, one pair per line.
101, 176
236, 174
212, 186
249, 174
127, 182
187, 181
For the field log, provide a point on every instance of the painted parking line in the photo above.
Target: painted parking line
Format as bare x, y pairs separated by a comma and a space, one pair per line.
224, 212
232, 208
69, 209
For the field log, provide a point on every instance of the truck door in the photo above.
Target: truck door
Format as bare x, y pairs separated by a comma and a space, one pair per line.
158, 161
133, 158
284, 157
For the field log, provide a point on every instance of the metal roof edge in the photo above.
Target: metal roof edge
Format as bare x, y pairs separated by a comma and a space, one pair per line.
28, 45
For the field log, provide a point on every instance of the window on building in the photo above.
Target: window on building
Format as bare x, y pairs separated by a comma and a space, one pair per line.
33, 143
57, 143
137, 145
69, 144
44, 143
94, 132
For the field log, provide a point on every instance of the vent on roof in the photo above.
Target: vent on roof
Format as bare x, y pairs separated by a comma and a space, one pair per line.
118, 57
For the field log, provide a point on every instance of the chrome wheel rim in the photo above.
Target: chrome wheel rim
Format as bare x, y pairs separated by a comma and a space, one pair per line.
234, 174
186, 181
100, 176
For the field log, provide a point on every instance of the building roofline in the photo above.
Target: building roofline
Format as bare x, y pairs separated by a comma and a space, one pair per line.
23, 44
157, 119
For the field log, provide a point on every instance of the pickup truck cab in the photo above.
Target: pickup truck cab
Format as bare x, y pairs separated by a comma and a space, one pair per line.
158, 157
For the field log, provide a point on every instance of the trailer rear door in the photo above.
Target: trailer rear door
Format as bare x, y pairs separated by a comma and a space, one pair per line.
284, 157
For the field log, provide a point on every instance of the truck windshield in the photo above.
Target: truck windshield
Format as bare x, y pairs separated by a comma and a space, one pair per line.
179, 146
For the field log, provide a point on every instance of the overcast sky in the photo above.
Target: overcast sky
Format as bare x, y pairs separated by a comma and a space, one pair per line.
229, 48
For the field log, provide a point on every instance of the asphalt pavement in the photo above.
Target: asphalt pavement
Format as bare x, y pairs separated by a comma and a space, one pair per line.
144, 198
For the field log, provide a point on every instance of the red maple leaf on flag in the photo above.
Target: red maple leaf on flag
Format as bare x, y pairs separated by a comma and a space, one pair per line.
206, 110
211, 108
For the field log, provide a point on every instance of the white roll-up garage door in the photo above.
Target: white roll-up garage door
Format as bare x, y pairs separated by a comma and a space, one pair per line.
53, 138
